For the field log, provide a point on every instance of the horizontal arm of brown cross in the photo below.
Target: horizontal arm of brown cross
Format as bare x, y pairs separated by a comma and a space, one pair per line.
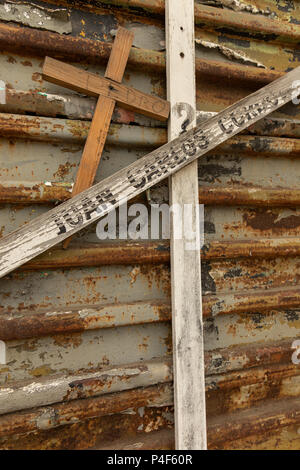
88, 83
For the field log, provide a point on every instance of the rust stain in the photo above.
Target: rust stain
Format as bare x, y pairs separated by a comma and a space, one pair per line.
144, 346
42, 371
66, 341
38, 193
92, 432
37, 77
64, 170
11, 60
265, 219
27, 63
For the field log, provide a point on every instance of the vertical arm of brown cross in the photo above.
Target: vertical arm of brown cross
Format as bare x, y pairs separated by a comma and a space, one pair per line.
102, 117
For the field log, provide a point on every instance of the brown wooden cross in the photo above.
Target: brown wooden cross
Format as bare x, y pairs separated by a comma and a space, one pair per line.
109, 91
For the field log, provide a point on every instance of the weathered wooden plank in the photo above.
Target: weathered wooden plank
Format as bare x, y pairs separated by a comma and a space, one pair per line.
188, 351
51, 228
102, 117
91, 84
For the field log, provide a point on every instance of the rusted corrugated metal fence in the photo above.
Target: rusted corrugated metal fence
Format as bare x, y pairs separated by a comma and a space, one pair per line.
87, 330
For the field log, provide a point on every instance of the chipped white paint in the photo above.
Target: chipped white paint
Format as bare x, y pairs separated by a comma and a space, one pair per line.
55, 389
75, 214
130, 411
229, 53
6, 392
2, 92
46, 419
237, 5
2, 352
51, 97
36, 16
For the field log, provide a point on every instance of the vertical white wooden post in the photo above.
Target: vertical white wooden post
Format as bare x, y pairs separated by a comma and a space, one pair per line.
188, 355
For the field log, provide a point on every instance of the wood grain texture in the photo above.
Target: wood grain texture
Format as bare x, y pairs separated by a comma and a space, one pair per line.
88, 83
119, 55
93, 148
187, 325
94, 144
102, 116
68, 218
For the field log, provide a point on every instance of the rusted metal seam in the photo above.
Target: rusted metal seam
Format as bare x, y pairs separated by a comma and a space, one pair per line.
269, 29
157, 395
158, 252
125, 253
271, 416
28, 324
42, 43
72, 106
219, 18
25, 324
154, 396
253, 196
71, 412
26, 395
76, 131
66, 388
247, 356
77, 108
249, 196
226, 431
252, 301
273, 375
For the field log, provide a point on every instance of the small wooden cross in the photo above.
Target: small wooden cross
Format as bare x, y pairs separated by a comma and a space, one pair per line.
109, 91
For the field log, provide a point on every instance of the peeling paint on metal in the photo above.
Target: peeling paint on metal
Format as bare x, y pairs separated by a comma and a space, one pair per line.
72, 318
229, 53
36, 16
238, 5
68, 388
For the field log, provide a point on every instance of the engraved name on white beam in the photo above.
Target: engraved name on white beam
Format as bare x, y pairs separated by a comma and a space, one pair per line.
51, 228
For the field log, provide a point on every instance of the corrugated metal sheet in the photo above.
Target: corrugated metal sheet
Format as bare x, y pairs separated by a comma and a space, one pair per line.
89, 353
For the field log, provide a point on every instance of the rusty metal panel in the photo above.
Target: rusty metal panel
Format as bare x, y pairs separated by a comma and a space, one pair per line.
87, 329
